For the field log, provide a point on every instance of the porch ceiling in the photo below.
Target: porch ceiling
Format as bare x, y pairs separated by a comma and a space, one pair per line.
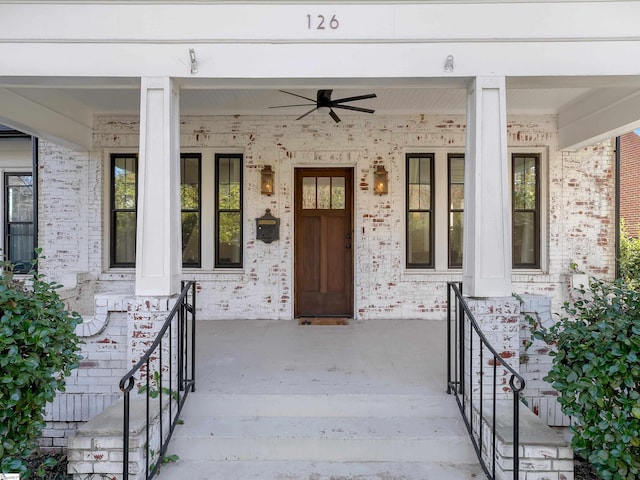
78, 99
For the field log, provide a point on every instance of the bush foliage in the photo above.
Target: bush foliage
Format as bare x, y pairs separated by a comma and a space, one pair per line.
38, 348
596, 370
629, 261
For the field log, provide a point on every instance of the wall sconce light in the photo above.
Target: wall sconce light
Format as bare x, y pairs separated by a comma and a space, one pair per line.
381, 181
194, 61
266, 180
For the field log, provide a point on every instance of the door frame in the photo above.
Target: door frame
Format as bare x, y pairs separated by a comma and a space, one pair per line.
352, 168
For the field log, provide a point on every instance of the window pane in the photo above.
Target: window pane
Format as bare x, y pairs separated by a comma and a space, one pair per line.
337, 193
14, 180
229, 183
125, 238
524, 183
414, 197
18, 218
324, 193
424, 197
419, 249
419, 183
190, 170
524, 240
229, 237
456, 183
456, 170
425, 170
124, 180
457, 197
191, 238
20, 246
309, 193
455, 238
19, 198
190, 183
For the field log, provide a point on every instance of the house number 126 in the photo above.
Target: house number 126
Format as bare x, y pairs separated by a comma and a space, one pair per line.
320, 22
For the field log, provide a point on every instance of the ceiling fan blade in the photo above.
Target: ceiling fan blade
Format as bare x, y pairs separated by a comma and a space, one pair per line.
298, 105
355, 109
296, 95
310, 111
352, 99
335, 117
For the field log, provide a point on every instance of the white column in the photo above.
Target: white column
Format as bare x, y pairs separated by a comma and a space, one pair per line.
158, 247
487, 208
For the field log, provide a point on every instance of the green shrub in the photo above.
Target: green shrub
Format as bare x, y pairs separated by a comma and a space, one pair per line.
38, 348
629, 260
596, 370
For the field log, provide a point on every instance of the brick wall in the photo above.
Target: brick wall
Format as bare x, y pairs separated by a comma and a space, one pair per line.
630, 182
579, 189
94, 386
535, 362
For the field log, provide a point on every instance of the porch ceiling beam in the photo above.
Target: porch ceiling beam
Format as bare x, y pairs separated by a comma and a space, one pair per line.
71, 129
599, 116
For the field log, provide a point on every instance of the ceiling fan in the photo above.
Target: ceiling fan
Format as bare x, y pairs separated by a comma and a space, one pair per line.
323, 100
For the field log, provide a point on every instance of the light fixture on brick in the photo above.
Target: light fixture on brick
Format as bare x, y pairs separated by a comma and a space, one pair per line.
266, 180
381, 181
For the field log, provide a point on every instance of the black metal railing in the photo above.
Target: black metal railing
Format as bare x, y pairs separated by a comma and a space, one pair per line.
469, 356
165, 375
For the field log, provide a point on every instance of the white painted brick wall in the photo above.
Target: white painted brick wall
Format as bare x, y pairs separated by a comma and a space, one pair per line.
580, 192
94, 386
535, 363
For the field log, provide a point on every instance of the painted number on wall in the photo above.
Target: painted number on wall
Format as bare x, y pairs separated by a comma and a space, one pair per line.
321, 22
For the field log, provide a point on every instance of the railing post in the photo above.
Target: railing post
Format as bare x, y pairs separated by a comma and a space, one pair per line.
516, 422
193, 337
449, 338
125, 437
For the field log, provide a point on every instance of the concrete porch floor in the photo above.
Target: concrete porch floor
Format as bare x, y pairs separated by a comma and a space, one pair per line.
275, 400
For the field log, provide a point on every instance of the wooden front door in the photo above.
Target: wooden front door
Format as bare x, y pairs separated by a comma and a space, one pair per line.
324, 242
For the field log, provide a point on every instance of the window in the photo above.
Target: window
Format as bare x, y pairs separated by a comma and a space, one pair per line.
456, 208
420, 210
323, 193
19, 225
190, 188
526, 211
124, 192
228, 210
435, 216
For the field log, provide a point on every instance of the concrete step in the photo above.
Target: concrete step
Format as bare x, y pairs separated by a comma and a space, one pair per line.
339, 405
296, 470
322, 437
342, 439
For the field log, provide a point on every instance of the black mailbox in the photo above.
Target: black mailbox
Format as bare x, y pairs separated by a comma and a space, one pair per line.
267, 227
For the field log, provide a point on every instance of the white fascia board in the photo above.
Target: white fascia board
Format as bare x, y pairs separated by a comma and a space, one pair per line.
299, 21
329, 60
35, 119
600, 116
